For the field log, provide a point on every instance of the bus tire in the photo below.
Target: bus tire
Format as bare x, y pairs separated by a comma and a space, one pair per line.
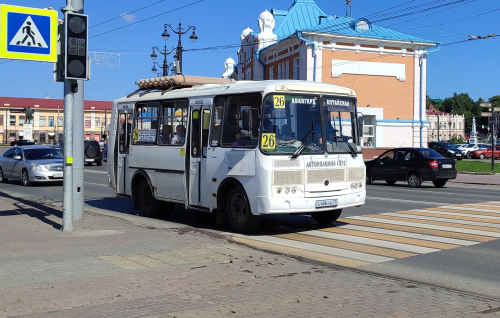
239, 214
150, 207
326, 216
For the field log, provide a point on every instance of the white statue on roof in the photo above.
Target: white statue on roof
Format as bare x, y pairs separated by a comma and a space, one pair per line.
229, 65
266, 26
245, 33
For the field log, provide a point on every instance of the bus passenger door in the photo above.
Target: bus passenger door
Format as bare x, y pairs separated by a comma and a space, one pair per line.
194, 149
123, 133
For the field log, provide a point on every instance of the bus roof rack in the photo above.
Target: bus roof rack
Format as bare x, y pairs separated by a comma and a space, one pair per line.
168, 83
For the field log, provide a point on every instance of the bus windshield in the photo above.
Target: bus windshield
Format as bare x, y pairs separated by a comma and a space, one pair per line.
308, 124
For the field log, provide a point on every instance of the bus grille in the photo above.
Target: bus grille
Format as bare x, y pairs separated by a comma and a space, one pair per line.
356, 174
319, 176
282, 178
286, 163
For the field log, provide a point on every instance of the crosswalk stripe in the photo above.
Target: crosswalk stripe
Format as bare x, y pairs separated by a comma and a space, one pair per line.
420, 230
466, 208
323, 249
371, 241
432, 238
391, 238
479, 205
429, 225
301, 253
309, 237
462, 215
484, 205
473, 213
448, 219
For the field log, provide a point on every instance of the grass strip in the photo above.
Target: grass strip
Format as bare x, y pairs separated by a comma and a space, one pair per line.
477, 166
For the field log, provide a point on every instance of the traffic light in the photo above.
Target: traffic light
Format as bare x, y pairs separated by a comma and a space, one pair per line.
76, 46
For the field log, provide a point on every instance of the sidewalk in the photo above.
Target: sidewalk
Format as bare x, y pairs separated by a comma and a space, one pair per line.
109, 267
483, 179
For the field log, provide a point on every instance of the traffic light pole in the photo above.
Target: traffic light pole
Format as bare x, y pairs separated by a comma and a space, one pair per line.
68, 158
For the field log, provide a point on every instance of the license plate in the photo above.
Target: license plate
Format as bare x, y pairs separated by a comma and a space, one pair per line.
459, 155
447, 165
58, 175
89, 160
326, 203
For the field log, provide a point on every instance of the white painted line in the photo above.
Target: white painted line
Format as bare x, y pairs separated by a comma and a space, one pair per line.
373, 242
464, 208
426, 226
93, 171
404, 201
460, 214
431, 218
97, 184
483, 205
321, 249
426, 237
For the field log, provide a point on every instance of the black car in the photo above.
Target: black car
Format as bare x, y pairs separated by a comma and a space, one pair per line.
413, 165
21, 142
446, 149
93, 153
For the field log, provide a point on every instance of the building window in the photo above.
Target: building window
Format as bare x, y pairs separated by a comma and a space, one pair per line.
87, 123
12, 120
271, 72
369, 131
287, 70
296, 69
59, 121
21, 120
51, 121
41, 121
42, 138
279, 70
1, 120
97, 122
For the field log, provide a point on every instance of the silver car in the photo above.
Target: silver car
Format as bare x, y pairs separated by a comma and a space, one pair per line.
31, 164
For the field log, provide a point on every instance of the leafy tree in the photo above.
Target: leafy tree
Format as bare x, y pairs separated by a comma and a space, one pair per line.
457, 139
463, 104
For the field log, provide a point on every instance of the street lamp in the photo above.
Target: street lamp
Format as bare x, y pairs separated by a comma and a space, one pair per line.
165, 65
179, 32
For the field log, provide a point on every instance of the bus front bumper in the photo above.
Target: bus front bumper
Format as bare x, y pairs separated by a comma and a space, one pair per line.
308, 205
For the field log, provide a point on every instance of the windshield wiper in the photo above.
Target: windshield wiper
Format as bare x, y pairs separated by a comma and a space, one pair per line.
302, 146
345, 140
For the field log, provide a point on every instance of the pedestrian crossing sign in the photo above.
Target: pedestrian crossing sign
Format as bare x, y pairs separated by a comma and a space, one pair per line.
28, 33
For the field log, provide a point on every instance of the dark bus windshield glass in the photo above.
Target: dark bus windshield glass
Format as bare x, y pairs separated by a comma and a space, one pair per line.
294, 121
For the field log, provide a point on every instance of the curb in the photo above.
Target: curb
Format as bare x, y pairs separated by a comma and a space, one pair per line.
478, 173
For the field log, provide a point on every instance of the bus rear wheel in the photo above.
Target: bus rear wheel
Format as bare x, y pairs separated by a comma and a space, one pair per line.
151, 207
239, 214
326, 216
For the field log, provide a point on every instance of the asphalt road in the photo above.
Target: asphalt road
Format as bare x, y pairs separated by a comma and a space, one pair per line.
466, 268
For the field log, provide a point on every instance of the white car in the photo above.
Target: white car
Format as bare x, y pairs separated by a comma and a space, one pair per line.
471, 147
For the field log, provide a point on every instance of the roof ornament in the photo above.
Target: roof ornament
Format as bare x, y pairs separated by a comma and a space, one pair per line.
266, 25
245, 33
229, 65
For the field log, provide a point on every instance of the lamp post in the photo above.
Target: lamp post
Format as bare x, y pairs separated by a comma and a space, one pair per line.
165, 65
180, 32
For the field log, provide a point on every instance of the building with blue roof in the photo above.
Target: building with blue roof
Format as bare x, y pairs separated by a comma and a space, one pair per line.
386, 68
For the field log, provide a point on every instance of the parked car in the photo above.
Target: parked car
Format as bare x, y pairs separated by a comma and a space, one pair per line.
485, 153
31, 164
93, 153
446, 149
413, 165
471, 147
21, 142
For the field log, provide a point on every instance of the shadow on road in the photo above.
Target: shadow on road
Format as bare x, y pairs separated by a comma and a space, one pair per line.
35, 210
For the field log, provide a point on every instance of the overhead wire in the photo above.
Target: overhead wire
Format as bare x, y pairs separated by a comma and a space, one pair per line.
122, 15
460, 20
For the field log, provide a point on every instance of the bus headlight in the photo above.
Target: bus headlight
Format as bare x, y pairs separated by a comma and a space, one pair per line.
278, 191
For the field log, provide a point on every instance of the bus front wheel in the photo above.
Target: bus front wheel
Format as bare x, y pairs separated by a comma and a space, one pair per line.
326, 216
239, 214
149, 205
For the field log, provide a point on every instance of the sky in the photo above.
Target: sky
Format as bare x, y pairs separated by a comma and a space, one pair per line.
467, 67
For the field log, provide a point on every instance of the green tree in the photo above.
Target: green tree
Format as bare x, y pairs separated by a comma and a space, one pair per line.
463, 104
457, 139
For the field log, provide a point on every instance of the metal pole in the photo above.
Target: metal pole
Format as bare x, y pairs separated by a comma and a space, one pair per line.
68, 157
78, 140
179, 49
493, 137
165, 67
438, 127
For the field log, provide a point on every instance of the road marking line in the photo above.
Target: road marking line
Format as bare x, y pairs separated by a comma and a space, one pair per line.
404, 201
432, 238
411, 242
310, 237
473, 213
322, 249
98, 184
426, 225
418, 216
492, 207
466, 208
417, 229
462, 215
307, 254
93, 171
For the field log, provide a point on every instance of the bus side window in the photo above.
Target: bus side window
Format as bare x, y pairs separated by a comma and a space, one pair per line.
217, 121
173, 119
145, 124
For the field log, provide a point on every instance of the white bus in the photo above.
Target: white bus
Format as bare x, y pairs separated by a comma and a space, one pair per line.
238, 149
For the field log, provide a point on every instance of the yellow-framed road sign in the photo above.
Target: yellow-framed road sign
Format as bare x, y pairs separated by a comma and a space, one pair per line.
28, 33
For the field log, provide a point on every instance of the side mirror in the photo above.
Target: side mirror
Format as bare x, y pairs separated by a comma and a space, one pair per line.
360, 128
18, 157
